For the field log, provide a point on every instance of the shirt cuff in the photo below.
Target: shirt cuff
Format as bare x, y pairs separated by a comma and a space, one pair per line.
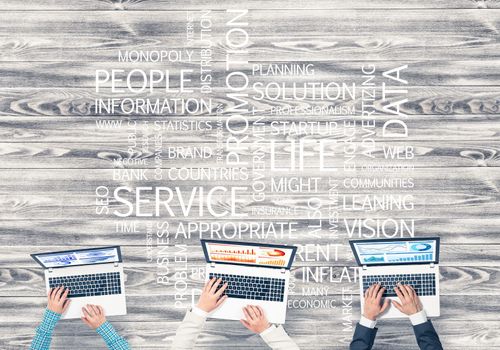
107, 332
267, 330
197, 311
367, 323
50, 319
418, 318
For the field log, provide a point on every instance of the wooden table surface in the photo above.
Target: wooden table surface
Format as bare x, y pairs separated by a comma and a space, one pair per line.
52, 156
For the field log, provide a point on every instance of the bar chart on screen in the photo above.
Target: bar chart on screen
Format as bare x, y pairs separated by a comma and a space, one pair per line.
411, 258
273, 262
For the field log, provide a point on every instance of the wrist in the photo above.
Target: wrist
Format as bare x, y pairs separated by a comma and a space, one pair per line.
50, 319
267, 330
196, 310
418, 317
203, 308
264, 328
54, 311
369, 316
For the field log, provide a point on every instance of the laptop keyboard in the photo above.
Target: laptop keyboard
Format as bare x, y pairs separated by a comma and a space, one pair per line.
89, 285
423, 283
250, 287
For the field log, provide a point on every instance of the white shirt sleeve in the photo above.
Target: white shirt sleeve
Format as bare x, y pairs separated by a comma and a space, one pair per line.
366, 322
277, 339
267, 330
197, 311
189, 330
418, 318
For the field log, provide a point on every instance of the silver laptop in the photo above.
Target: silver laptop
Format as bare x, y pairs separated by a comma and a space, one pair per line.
257, 274
93, 276
412, 261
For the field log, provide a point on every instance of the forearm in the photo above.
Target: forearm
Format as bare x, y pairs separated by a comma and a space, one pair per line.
43, 335
427, 337
189, 330
113, 340
364, 335
278, 339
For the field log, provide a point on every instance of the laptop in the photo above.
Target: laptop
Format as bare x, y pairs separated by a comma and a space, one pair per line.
412, 261
257, 274
93, 276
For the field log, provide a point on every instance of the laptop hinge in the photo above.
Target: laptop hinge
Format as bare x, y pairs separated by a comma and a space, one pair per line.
116, 264
282, 270
212, 264
432, 265
364, 267
51, 270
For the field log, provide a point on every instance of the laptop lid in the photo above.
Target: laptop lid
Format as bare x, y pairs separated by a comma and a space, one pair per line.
249, 254
397, 251
79, 257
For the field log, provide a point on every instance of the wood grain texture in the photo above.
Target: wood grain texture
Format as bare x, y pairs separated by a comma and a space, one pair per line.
457, 102
149, 5
451, 255
455, 280
102, 231
268, 47
19, 131
53, 155
261, 22
74, 156
420, 73
153, 309
158, 335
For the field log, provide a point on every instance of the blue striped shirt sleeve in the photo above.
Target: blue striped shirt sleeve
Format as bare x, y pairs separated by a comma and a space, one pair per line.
43, 335
113, 340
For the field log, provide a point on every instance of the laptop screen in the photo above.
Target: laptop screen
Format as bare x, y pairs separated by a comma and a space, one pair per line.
78, 257
252, 254
396, 251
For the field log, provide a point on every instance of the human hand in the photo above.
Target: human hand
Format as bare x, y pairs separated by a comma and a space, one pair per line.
210, 297
255, 319
58, 301
410, 303
373, 302
93, 316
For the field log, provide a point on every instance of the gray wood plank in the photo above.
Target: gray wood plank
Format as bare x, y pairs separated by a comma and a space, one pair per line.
99, 231
427, 102
82, 74
92, 156
261, 22
21, 129
143, 5
47, 61
269, 48
455, 280
28, 310
157, 335
52, 194
450, 255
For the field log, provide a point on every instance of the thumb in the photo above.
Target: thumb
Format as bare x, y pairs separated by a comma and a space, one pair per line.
385, 305
397, 305
246, 324
221, 300
84, 319
66, 305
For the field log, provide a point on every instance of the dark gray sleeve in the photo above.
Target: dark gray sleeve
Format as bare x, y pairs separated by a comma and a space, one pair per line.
363, 338
427, 338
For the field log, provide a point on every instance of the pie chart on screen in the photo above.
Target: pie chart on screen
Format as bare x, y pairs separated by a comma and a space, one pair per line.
421, 247
276, 252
